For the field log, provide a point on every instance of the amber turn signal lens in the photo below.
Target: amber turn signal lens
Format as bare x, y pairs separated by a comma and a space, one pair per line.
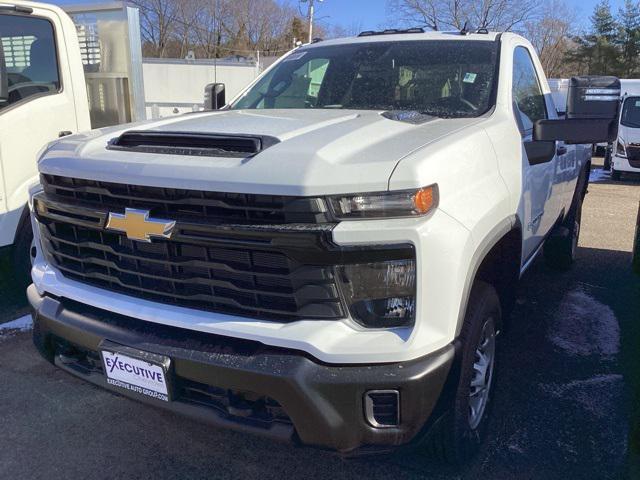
423, 200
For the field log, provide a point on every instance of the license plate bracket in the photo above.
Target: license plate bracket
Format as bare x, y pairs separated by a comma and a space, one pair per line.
137, 371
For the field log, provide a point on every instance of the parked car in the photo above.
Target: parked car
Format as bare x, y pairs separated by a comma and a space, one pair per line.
329, 258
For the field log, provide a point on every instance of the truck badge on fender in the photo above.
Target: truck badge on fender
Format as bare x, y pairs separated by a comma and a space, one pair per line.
138, 226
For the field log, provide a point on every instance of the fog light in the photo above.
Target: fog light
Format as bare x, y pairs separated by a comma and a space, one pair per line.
381, 295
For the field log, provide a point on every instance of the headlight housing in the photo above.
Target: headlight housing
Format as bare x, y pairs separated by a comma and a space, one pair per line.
402, 203
381, 294
621, 150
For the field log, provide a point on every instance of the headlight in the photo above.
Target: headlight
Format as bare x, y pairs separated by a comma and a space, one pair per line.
382, 294
621, 151
404, 203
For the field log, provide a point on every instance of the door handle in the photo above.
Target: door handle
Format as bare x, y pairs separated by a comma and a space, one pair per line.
561, 150
64, 133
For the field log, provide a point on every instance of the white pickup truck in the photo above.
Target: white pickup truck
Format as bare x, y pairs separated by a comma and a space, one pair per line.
327, 259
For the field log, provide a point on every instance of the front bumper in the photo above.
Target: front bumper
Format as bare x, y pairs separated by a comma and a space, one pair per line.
623, 164
245, 385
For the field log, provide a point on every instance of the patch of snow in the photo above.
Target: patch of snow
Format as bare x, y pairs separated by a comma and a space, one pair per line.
583, 326
599, 175
517, 442
23, 324
599, 394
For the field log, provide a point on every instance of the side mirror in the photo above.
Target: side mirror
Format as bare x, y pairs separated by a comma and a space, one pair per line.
4, 78
592, 113
214, 96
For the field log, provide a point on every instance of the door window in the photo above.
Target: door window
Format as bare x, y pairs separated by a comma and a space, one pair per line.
29, 50
528, 99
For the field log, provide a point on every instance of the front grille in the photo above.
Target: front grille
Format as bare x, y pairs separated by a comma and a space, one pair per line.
225, 254
633, 155
259, 410
215, 207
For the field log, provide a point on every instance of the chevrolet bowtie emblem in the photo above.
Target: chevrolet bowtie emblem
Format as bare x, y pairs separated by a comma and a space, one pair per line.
138, 226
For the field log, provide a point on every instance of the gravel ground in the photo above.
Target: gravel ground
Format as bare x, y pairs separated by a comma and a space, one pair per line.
567, 388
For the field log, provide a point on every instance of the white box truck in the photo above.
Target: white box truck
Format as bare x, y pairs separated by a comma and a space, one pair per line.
42, 97
60, 77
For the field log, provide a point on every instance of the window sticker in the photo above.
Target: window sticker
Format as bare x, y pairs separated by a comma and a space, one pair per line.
637, 103
295, 56
470, 77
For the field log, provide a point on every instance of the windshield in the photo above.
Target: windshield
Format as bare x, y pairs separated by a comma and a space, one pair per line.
451, 78
631, 113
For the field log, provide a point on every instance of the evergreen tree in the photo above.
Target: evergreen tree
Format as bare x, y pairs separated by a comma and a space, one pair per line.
629, 39
597, 52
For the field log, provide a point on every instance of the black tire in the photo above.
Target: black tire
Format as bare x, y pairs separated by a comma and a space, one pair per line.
22, 252
560, 248
607, 160
615, 174
39, 341
456, 439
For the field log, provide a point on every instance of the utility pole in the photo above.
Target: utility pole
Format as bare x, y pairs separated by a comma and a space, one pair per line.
310, 14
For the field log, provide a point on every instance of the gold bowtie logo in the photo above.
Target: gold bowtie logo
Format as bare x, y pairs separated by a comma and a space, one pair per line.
138, 226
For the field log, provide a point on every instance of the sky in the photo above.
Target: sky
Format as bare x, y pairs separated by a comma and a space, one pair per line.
371, 14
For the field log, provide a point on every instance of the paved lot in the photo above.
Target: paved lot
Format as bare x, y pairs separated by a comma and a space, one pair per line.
568, 382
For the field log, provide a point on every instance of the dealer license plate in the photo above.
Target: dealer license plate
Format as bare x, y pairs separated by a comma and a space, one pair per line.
135, 375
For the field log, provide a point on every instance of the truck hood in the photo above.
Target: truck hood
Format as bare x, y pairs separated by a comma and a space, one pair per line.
629, 134
319, 152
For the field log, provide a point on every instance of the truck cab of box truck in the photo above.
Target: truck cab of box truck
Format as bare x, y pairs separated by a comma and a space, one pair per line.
42, 97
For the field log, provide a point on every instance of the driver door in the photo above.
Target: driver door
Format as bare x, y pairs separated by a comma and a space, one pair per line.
542, 193
41, 102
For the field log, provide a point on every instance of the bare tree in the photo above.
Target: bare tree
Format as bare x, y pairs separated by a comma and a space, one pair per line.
444, 14
217, 28
158, 21
550, 35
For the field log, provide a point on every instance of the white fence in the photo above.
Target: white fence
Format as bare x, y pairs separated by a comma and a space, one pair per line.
174, 86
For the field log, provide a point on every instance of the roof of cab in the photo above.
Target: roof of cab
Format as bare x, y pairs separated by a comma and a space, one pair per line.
400, 37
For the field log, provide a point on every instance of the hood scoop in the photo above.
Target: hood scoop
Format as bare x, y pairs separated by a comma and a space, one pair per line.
192, 144
413, 117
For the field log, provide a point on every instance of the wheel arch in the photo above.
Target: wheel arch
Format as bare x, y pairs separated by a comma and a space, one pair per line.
496, 261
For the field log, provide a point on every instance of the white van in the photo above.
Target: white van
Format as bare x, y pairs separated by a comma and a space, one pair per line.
627, 152
626, 157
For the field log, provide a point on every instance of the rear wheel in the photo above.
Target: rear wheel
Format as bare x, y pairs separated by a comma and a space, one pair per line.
561, 247
463, 429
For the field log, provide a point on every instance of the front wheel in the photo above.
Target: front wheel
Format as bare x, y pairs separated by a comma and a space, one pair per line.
22, 254
608, 164
615, 174
461, 433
